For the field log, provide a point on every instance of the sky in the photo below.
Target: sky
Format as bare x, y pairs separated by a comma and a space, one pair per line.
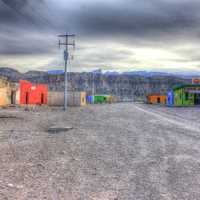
117, 35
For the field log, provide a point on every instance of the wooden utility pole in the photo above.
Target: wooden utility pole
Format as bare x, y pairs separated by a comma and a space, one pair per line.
66, 43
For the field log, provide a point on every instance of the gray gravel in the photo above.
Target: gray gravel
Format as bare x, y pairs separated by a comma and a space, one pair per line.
114, 152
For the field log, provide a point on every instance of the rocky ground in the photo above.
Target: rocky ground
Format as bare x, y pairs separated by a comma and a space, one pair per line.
114, 152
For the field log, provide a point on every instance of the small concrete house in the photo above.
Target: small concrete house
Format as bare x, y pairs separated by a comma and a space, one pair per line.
32, 94
7, 92
156, 99
56, 98
184, 95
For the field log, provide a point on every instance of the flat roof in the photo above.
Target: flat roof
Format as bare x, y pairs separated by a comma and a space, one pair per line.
156, 94
185, 86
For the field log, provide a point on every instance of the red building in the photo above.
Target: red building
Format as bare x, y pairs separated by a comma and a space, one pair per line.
33, 94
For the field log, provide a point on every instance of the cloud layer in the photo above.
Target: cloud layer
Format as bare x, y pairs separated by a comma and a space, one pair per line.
120, 34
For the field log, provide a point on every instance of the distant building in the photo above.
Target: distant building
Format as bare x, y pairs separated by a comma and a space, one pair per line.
32, 94
184, 95
56, 98
156, 99
7, 92
196, 81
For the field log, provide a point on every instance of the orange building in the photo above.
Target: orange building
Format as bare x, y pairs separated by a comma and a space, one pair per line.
196, 81
156, 99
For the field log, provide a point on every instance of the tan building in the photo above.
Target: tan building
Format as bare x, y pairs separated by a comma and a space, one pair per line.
73, 98
7, 92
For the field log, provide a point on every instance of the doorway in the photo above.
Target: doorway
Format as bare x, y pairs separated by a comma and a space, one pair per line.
196, 99
27, 98
42, 98
13, 97
158, 100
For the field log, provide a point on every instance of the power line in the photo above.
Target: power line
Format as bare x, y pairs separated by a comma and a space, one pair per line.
66, 43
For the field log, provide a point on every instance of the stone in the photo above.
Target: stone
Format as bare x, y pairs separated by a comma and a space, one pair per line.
58, 129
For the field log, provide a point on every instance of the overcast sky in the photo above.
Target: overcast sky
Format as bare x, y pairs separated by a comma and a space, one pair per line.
161, 35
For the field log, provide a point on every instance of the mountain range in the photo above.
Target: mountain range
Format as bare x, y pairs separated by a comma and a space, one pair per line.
127, 85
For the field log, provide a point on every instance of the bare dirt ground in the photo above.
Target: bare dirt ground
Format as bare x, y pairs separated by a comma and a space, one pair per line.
115, 152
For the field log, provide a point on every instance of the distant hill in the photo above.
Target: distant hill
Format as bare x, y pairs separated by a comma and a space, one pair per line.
11, 74
15, 75
148, 74
127, 85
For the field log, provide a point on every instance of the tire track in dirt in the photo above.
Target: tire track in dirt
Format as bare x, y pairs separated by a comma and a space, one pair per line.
182, 123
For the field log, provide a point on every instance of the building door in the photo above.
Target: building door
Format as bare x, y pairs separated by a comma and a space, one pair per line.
158, 100
13, 97
42, 98
27, 98
196, 99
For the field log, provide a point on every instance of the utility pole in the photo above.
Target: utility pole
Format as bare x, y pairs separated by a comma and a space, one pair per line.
66, 43
93, 85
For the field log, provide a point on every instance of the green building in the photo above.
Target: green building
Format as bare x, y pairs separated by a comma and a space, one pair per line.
100, 99
184, 95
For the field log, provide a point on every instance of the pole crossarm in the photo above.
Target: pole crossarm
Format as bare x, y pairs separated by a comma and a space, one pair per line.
67, 35
64, 44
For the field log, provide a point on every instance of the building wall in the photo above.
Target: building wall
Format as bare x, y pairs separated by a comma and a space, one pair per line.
170, 98
7, 90
17, 100
56, 98
73, 99
180, 98
5, 96
83, 101
100, 99
33, 94
90, 99
153, 99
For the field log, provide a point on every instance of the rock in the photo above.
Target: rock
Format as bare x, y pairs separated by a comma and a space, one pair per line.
10, 185
58, 129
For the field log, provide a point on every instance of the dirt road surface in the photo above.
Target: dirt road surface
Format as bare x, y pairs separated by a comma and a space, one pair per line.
114, 152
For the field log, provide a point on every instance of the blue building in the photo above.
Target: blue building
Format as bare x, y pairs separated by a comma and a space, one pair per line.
170, 98
90, 99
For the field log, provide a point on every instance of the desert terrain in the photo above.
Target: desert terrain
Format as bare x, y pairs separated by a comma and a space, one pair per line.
124, 151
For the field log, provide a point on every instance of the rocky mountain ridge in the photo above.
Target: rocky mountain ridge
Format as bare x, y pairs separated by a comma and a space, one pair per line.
125, 86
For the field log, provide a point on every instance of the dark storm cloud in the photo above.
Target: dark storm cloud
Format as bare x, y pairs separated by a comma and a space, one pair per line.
17, 4
23, 25
24, 14
139, 18
28, 26
28, 45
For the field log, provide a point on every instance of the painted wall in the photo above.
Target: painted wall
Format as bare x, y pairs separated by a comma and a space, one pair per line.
33, 94
90, 99
181, 98
100, 99
170, 98
5, 96
73, 99
157, 99
111, 99
7, 92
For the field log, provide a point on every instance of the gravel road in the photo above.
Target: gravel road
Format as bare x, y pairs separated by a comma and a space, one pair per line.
114, 152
